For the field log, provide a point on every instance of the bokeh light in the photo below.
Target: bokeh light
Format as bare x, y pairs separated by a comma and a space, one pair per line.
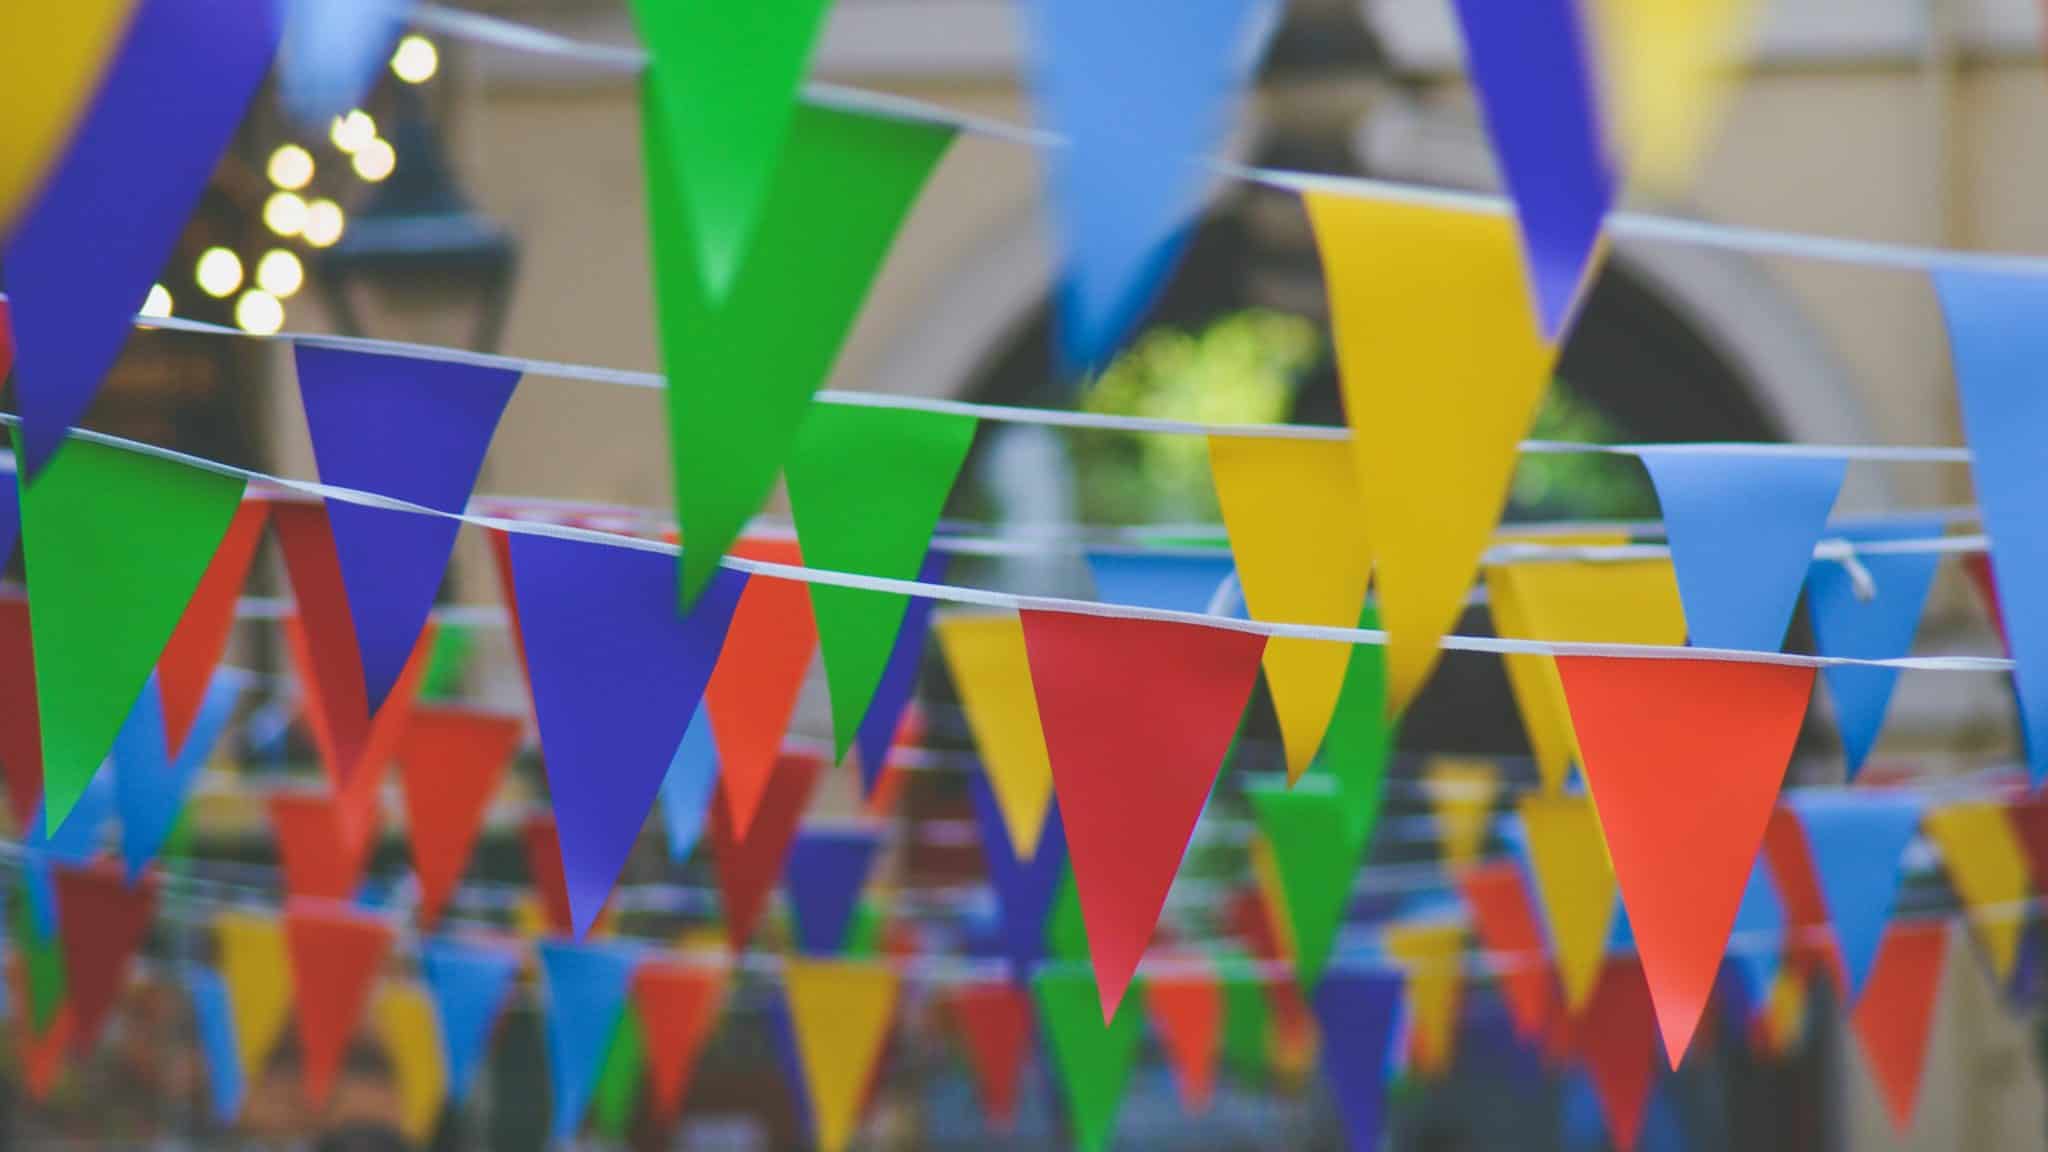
352, 131
375, 160
158, 306
259, 312
291, 167
280, 273
416, 60
284, 213
324, 223
219, 273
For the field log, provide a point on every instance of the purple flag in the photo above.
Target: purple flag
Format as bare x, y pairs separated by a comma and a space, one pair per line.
1024, 889
825, 871
1357, 1012
899, 678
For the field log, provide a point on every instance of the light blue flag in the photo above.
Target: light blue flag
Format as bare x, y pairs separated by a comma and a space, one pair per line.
1177, 582
586, 990
1874, 622
687, 789
1742, 531
331, 54
1142, 104
1856, 840
469, 982
1998, 334
1758, 938
150, 785
215, 1015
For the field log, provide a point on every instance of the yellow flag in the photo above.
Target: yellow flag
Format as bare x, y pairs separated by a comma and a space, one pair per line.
1989, 873
53, 56
993, 675
411, 1033
1433, 954
1595, 602
1461, 794
1443, 364
1575, 884
256, 969
1669, 65
1784, 1020
1297, 532
841, 1011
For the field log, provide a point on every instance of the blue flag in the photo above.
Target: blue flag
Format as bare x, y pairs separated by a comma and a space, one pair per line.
107, 220
616, 678
899, 678
1178, 582
1869, 623
1357, 1012
414, 430
10, 514
587, 986
1742, 530
332, 53
215, 1016
687, 789
1998, 334
1757, 942
1856, 840
824, 874
1024, 889
150, 782
469, 983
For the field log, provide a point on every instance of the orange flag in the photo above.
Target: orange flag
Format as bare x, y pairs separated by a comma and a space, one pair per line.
679, 1006
753, 690
450, 761
1502, 915
541, 846
995, 1021
1684, 758
320, 858
1894, 1016
336, 954
1616, 1038
194, 650
1186, 1004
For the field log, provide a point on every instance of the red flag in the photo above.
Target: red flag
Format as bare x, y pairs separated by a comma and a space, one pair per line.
336, 953
320, 858
21, 737
6, 341
542, 846
1684, 758
1807, 939
42, 1056
753, 691
194, 650
1138, 715
1186, 1005
750, 866
1616, 1036
995, 1020
450, 761
1894, 1016
2029, 816
1506, 923
679, 1007
101, 921
501, 558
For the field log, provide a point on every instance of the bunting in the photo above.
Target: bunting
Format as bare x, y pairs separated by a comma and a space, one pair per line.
679, 1007
1431, 951
1873, 623
152, 775
1357, 1011
748, 866
101, 922
469, 982
992, 674
1857, 841
1667, 71
994, 1019
1616, 1037
1461, 795
1175, 581
891, 699
213, 1020
187, 669
1092, 1052
256, 967
404, 1019
688, 789
1574, 881
1024, 887
321, 858
450, 761
824, 875
1505, 921
1989, 873
1316, 860
1758, 941
541, 847
586, 987
57, 60
21, 739
753, 692
336, 956
841, 1011
1185, 1001
1893, 1021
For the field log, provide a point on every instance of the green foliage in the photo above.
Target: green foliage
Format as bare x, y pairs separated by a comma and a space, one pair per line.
1579, 484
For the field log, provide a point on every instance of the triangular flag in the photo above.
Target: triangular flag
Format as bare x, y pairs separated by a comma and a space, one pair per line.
886, 707
1668, 67
1297, 531
1186, 1006
688, 788
616, 677
337, 954
1136, 148
679, 1006
1175, 581
753, 692
1024, 887
469, 982
2029, 818
87, 247
824, 875
257, 969
841, 1012
1989, 874
1684, 758
1588, 602
992, 675
58, 59
1091, 1054
319, 858
1461, 795
1574, 881
1616, 1036
1857, 840
866, 486
404, 1018
1247, 1023
1442, 363
618, 1079
1869, 623
1505, 921
1742, 531
1893, 1021
87, 527
450, 761
1316, 861
541, 848
1432, 953
748, 866
995, 1021
415, 430
331, 54
150, 781
777, 318
21, 738
1138, 715
1357, 1011
214, 1021
1360, 739
1531, 63
1996, 337
186, 670
586, 987
101, 922
1757, 943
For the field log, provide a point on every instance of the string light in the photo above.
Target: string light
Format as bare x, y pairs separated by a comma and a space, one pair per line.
416, 60
284, 213
219, 273
259, 313
280, 273
375, 160
158, 306
324, 223
291, 167
352, 131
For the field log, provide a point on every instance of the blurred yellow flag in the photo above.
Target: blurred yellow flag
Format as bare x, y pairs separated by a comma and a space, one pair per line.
993, 675
1989, 874
1443, 364
1575, 884
1297, 532
53, 56
1433, 954
1669, 66
256, 969
411, 1033
841, 1011
1461, 796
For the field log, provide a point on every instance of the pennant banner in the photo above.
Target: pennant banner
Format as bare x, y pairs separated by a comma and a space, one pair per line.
331, 55
891, 699
1505, 922
748, 866
404, 1018
841, 1011
1574, 880
995, 1023
1668, 67
824, 875
1358, 1012
450, 761
1857, 841
256, 966
1186, 1006
214, 1021
57, 60
679, 1007
1316, 860
469, 982
336, 955
152, 775
1892, 1023
1024, 887
187, 668
992, 674
1989, 873
586, 987
102, 921
1432, 953
1092, 1052
753, 692
1869, 623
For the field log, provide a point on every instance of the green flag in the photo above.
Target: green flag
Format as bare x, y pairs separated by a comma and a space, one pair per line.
42, 961
1360, 736
618, 1082
727, 76
1066, 932
1092, 1061
742, 366
1316, 859
867, 486
114, 543
1246, 1020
